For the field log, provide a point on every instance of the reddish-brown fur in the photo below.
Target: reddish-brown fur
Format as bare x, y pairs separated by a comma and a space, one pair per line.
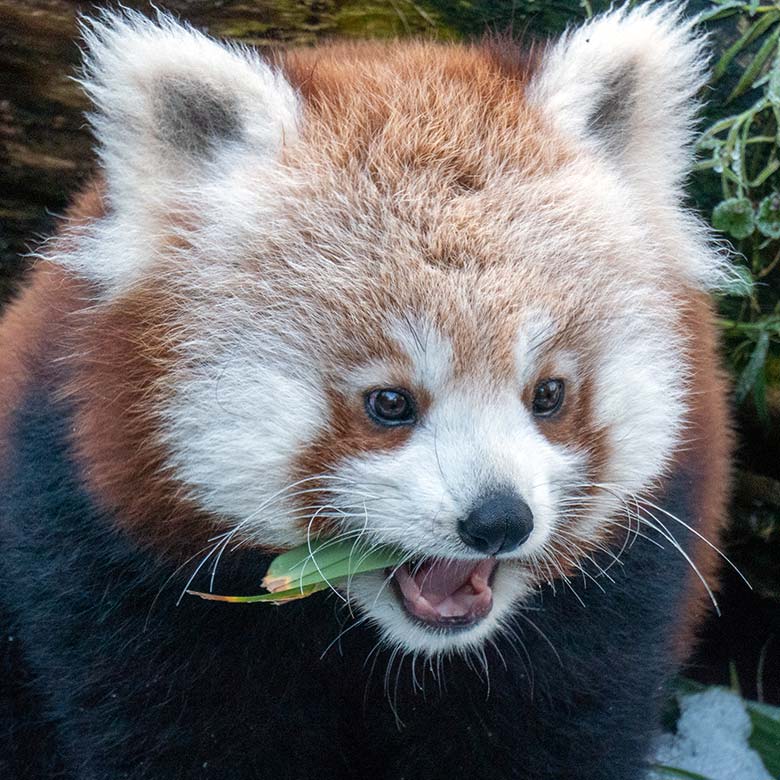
367, 104
706, 455
32, 325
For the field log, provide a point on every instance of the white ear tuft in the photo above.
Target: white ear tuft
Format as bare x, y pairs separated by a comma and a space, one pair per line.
174, 107
624, 84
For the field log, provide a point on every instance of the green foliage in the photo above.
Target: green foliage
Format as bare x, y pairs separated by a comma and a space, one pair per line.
765, 737
768, 217
735, 217
740, 148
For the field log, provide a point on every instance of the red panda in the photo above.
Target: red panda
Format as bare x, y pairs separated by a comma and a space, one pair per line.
439, 296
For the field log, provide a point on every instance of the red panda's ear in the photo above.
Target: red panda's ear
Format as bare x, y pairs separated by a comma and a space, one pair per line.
174, 107
624, 85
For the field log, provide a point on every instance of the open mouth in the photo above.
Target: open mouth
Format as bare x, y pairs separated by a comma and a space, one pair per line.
446, 593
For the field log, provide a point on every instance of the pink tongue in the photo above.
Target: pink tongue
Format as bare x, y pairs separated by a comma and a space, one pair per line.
447, 591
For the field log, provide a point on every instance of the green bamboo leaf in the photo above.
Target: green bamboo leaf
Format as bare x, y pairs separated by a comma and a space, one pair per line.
327, 558
724, 11
315, 566
756, 30
735, 217
763, 79
357, 561
299, 561
773, 90
734, 685
765, 737
671, 771
271, 598
708, 138
767, 171
754, 367
753, 70
769, 710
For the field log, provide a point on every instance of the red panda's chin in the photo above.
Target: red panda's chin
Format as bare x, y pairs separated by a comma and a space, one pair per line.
446, 594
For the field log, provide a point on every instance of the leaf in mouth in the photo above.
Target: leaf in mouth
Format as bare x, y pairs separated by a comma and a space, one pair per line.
314, 566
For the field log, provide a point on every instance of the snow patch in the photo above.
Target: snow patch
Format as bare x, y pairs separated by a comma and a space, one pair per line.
712, 739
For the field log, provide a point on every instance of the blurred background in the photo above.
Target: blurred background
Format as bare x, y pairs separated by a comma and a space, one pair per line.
45, 155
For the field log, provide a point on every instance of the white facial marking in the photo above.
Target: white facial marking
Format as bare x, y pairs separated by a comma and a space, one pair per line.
534, 334
430, 353
639, 398
373, 374
232, 426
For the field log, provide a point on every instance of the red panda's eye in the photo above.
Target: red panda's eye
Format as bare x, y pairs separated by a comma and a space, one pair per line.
548, 397
391, 406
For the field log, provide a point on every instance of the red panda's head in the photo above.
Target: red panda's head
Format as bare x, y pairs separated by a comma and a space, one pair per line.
430, 295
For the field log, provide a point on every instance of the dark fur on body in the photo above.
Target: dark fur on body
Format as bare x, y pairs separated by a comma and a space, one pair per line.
133, 686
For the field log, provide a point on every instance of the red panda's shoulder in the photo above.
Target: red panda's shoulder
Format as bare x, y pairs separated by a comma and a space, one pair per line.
53, 337
30, 342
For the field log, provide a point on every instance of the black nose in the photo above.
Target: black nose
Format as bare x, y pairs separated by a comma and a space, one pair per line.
498, 523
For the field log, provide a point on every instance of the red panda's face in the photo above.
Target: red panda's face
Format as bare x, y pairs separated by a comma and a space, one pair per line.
426, 304
488, 417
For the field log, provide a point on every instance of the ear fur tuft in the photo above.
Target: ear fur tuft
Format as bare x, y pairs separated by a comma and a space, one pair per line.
624, 84
172, 105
